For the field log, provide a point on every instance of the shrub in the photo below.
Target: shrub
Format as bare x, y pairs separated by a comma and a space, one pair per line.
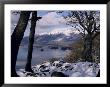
76, 52
96, 49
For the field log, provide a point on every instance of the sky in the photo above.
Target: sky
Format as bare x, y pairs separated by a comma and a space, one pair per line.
50, 22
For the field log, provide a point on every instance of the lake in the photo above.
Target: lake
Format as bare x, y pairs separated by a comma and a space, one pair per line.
39, 56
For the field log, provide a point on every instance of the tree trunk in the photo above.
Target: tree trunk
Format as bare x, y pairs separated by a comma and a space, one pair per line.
98, 75
16, 38
87, 55
31, 41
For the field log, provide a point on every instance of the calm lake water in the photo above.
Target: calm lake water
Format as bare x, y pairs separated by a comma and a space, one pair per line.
39, 56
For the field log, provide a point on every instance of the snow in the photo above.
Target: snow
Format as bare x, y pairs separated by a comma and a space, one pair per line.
76, 74
79, 69
66, 31
59, 39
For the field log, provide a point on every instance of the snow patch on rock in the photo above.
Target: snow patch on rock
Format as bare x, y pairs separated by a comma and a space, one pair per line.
80, 69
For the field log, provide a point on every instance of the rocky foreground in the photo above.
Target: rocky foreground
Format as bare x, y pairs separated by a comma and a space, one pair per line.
62, 69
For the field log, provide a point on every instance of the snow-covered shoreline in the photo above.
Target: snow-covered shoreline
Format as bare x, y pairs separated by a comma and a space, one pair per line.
79, 69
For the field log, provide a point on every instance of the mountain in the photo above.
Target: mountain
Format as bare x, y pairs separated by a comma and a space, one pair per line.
53, 39
64, 31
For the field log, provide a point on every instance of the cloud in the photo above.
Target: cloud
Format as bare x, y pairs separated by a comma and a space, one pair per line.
14, 20
48, 23
51, 19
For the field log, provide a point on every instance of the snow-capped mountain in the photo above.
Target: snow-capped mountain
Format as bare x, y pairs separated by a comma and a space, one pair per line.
59, 38
64, 31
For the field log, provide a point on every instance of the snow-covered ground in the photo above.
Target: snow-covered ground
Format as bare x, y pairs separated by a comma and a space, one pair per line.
80, 69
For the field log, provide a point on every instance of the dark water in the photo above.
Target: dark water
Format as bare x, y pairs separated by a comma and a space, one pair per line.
39, 56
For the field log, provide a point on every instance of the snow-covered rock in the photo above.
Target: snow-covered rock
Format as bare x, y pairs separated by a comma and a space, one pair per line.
76, 74
79, 69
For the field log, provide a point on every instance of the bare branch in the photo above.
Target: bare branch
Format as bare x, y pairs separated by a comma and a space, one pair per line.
96, 27
81, 23
97, 33
86, 15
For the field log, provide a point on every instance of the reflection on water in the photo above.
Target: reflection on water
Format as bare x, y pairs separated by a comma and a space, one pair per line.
38, 56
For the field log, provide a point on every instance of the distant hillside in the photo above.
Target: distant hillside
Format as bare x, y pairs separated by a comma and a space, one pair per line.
59, 39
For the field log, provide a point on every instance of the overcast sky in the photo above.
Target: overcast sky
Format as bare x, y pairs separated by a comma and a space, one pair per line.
51, 21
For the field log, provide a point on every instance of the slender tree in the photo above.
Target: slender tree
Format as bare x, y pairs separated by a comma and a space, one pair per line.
31, 40
16, 38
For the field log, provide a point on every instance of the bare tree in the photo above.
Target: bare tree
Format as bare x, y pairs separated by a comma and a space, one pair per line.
16, 38
88, 23
31, 41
